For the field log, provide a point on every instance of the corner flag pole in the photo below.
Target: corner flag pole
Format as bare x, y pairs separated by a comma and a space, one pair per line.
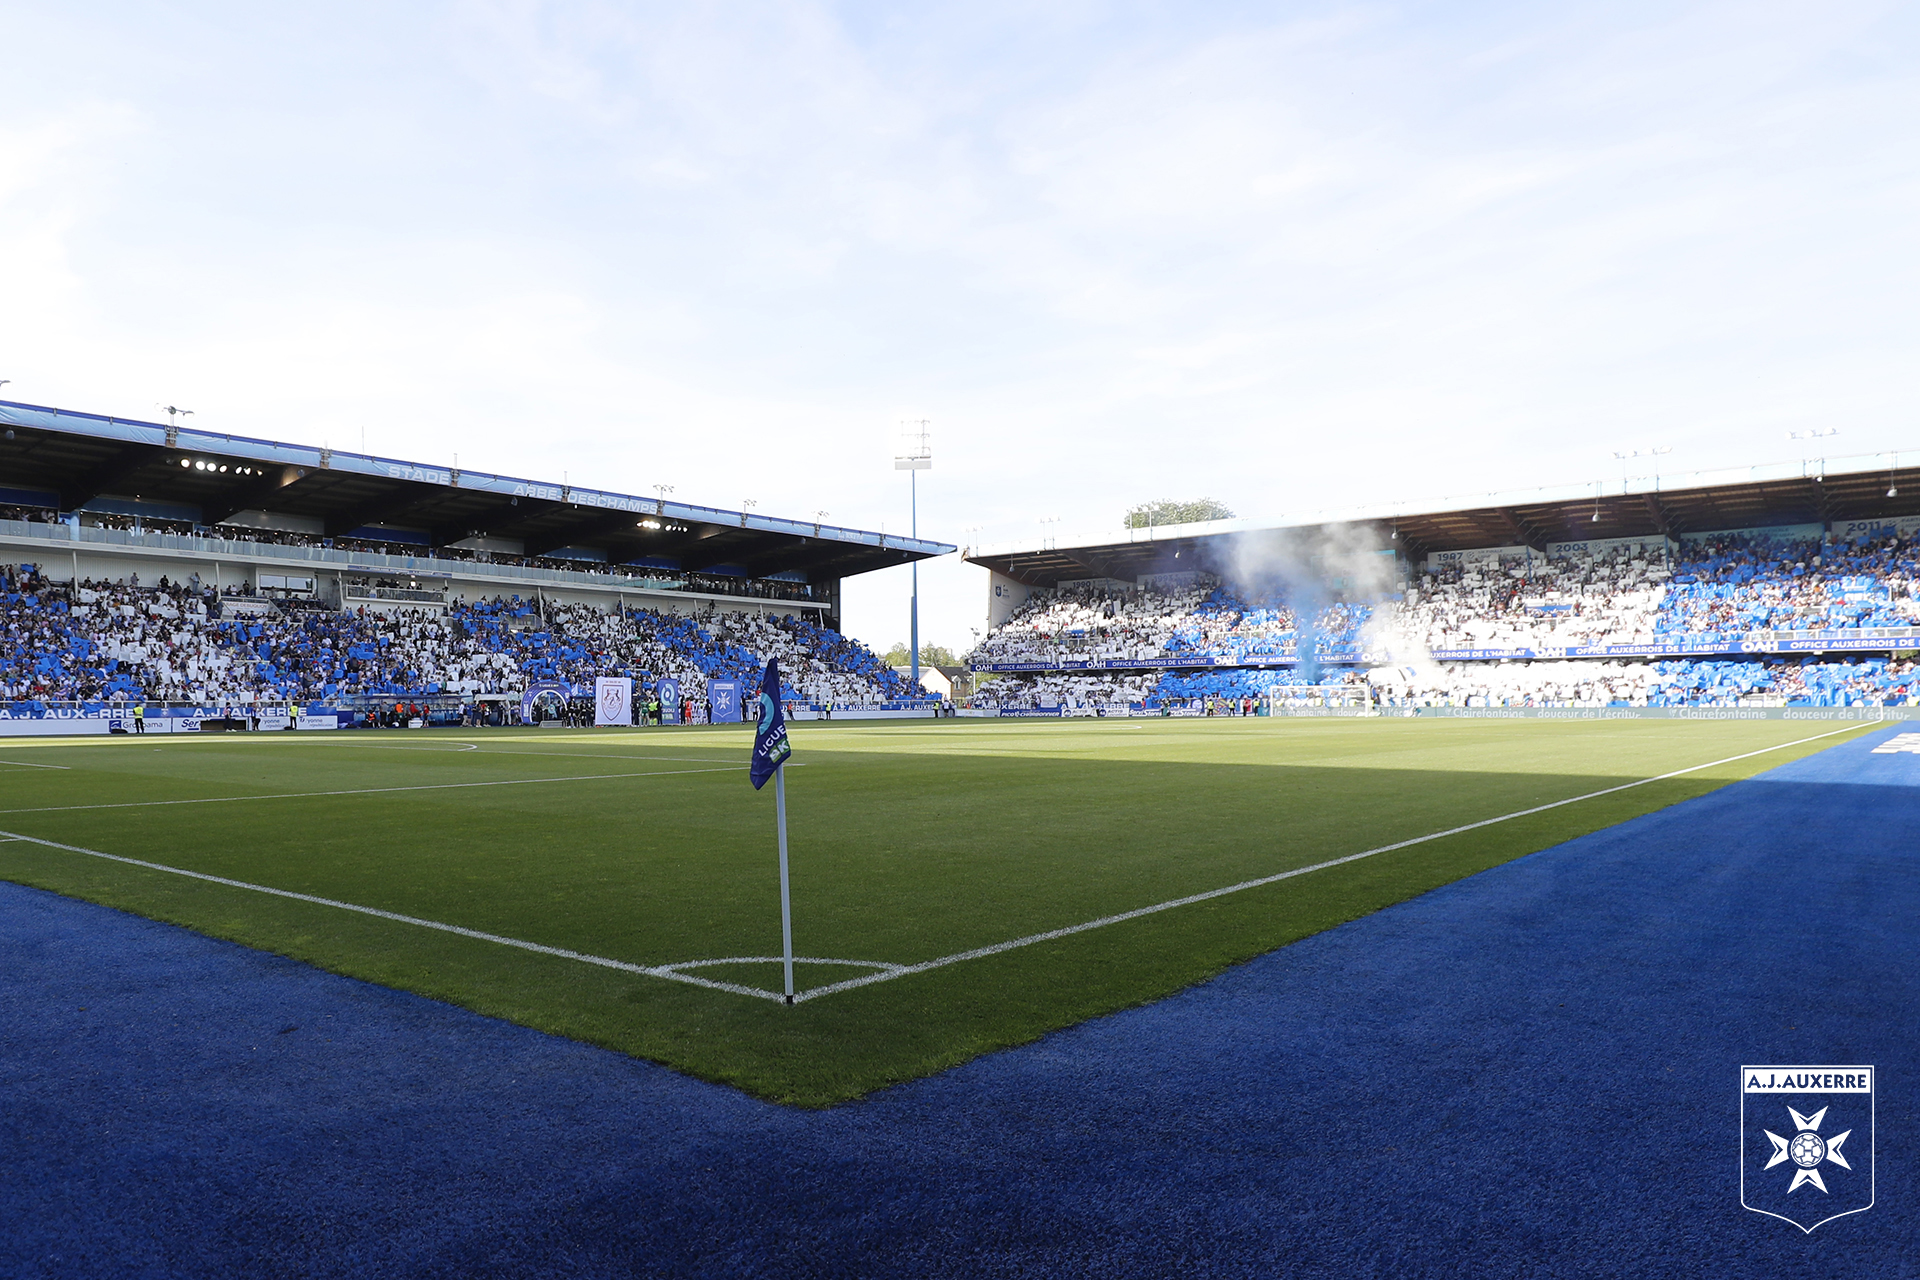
786, 902
770, 751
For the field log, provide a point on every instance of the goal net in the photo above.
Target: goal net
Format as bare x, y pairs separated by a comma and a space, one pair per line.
1284, 696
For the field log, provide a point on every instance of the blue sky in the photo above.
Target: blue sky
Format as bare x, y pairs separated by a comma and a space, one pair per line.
1283, 255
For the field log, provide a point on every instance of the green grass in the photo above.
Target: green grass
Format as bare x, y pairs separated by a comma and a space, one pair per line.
910, 841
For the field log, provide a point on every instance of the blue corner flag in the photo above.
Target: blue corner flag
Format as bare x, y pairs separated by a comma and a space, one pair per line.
770, 745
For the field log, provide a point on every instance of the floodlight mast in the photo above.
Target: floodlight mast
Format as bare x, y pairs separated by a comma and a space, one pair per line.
916, 455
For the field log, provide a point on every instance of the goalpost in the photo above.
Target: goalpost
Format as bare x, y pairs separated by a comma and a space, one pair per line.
1282, 698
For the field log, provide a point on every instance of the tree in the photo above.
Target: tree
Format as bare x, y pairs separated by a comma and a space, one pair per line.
1163, 511
931, 655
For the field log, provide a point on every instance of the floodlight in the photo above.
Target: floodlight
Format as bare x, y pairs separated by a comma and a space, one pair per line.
915, 455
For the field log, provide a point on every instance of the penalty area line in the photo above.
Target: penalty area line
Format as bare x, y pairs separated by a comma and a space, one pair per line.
997, 948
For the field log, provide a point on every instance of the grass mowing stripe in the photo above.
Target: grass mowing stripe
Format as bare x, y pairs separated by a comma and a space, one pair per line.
371, 791
926, 846
670, 973
889, 971
997, 948
485, 750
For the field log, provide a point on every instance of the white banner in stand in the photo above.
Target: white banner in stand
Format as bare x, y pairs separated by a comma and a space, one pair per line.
612, 700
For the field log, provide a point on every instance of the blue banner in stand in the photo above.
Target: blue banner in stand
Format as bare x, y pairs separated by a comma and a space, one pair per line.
668, 691
770, 745
723, 696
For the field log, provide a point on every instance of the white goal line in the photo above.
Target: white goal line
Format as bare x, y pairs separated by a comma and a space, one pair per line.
981, 952
650, 971
888, 972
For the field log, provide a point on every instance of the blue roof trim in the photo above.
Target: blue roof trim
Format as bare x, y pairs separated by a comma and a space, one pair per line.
134, 431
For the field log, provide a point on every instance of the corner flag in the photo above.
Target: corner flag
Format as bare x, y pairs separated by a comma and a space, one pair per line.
770, 745
770, 751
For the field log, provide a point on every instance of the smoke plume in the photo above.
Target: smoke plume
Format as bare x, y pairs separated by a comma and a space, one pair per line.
1308, 569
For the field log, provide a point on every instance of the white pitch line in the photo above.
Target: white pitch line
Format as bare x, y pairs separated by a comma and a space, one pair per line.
402, 746
600, 755
27, 764
370, 791
890, 971
647, 970
998, 947
486, 750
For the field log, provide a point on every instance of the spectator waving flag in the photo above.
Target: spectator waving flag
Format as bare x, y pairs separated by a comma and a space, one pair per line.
770, 745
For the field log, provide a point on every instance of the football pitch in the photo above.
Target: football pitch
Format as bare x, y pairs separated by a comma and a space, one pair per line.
958, 886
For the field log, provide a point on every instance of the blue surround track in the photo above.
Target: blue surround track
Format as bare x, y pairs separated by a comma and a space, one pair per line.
1529, 1073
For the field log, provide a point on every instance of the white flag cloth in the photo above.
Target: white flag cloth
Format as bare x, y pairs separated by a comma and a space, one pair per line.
612, 700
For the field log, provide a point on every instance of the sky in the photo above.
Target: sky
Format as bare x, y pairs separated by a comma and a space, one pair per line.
1288, 256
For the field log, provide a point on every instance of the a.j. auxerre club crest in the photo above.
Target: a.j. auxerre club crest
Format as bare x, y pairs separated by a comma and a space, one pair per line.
1806, 1142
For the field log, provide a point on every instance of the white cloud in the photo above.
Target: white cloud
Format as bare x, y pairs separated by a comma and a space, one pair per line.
1112, 253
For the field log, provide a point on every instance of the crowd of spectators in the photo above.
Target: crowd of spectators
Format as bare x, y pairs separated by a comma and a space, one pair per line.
176, 642
1714, 590
1080, 621
1676, 682
184, 642
1055, 689
1709, 591
1138, 690
1571, 601
1679, 682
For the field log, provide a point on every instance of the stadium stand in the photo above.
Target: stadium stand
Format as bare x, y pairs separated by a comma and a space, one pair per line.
152, 563
120, 641
1574, 626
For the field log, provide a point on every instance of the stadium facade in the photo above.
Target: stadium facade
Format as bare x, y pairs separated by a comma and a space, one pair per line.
160, 577
104, 497
1807, 560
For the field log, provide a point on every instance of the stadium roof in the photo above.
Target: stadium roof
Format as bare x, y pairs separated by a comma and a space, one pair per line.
1808, 492
69, 460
